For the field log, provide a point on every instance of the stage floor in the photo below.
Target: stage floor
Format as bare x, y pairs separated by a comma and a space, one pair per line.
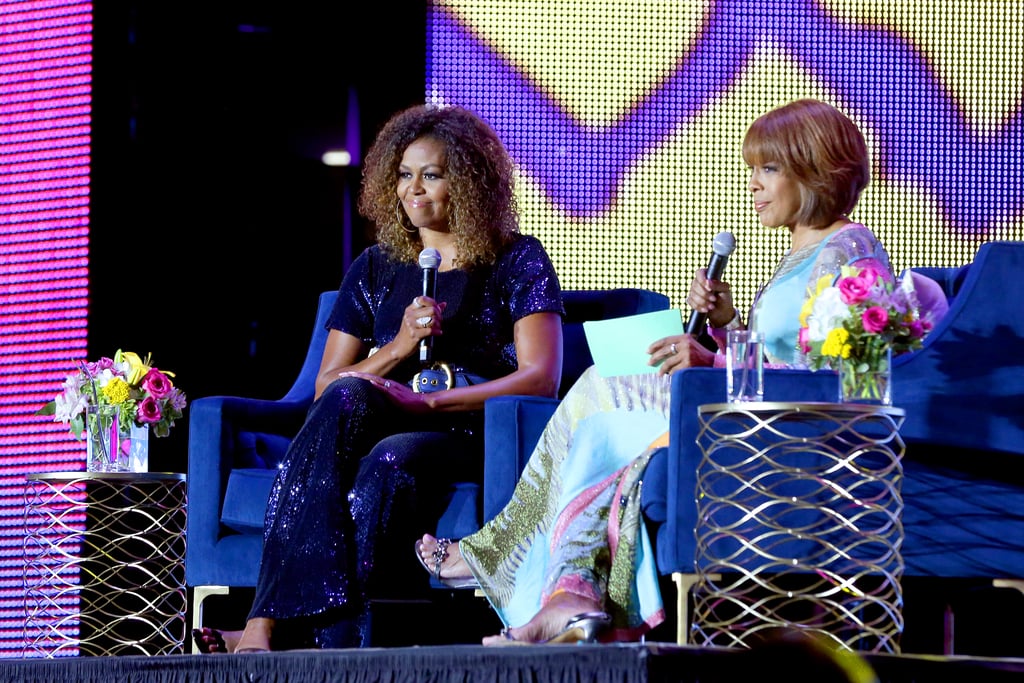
627, 663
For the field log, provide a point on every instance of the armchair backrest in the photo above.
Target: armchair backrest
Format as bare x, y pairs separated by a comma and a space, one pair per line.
305, 384
580, 305
965, 387
597, 304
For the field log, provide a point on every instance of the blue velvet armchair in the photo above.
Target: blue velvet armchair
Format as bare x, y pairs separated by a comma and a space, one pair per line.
963, 394
235, 444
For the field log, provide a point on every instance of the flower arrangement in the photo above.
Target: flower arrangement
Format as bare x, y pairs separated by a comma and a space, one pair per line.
856, 325
145, 394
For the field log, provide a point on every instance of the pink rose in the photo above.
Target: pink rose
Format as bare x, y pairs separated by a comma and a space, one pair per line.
148, 410
875, 319
853, 290
156, 384
870, 275
804, 340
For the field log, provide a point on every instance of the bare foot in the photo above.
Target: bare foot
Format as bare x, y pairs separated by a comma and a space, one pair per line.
549, 622
255, 637
452, 566
215, 641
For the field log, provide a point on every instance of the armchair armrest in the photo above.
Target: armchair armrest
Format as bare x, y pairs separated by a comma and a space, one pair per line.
675, 542
225, 433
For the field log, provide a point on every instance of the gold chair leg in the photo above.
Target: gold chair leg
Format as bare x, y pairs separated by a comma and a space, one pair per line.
1009, 583
684, 582
199, 595
949, 618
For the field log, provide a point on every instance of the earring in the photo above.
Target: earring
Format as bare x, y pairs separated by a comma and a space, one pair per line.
400, 217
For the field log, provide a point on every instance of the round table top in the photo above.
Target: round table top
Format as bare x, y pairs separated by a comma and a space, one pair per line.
800, 406
106, 476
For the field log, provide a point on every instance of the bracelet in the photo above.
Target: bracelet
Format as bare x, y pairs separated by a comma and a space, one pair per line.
734, 324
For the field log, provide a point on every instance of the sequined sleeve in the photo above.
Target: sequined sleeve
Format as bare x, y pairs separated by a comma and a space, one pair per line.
533, 285
853, 246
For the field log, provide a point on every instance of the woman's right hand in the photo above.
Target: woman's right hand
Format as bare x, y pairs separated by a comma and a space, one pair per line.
711, 297
422, 319
344, 352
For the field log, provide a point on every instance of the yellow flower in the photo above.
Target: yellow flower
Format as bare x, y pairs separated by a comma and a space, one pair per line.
835, 343
137, 369
116, 391
824, 282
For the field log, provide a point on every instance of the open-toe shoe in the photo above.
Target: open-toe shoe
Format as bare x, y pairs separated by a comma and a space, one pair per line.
201, 636
582, 628
439, 556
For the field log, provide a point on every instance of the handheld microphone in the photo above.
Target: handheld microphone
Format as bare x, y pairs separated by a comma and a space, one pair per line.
430, 260
721, 247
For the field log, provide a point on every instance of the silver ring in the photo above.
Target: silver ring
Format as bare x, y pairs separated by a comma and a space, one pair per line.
387, 384
506, 635
425, 321
672, 348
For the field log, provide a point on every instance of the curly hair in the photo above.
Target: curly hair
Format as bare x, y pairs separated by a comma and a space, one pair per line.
819, 147
483, 214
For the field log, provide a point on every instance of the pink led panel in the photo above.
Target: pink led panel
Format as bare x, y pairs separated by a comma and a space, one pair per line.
45, 125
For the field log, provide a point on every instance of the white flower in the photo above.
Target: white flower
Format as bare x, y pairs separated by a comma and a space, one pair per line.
70, 403
828, 313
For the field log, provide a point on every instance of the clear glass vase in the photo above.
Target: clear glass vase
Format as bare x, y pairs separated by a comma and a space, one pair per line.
870, 383
103, 451
135, 445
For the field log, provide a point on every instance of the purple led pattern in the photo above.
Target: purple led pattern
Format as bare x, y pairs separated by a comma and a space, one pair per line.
877, 75
45, 127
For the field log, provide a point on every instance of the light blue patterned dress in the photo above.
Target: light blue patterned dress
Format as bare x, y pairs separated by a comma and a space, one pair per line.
574, 522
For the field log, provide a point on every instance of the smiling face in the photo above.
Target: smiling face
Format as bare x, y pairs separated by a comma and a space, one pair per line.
422, 185
777, 197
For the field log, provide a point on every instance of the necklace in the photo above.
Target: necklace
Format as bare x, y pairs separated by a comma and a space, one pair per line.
791, 259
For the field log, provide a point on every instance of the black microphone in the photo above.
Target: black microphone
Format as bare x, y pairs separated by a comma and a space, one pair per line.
430, 260
722, 246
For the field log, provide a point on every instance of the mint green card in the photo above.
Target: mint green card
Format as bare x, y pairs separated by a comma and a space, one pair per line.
619, 345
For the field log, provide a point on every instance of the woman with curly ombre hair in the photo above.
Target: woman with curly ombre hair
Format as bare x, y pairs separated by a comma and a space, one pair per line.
379, 452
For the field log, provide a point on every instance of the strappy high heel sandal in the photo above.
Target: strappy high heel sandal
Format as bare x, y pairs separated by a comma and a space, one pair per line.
439, 555
209, 641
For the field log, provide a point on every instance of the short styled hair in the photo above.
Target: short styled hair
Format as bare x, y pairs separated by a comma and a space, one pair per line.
820, 148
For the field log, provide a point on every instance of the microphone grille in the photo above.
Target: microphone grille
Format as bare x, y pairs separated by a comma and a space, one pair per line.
723, 244
430, 258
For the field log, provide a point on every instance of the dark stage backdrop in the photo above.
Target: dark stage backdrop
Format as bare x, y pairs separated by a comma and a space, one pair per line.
163, 192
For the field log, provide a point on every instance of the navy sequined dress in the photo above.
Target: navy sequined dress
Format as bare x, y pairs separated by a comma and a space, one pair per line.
361, 476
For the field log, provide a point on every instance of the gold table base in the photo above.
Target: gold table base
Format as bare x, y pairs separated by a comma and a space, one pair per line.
105, 564
799, 527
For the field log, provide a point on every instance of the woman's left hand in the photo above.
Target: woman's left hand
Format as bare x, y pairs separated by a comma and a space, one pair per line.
679, 351
400, 394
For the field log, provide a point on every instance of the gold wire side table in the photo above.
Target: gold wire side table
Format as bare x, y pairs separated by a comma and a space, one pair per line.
799, 524
105, 563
